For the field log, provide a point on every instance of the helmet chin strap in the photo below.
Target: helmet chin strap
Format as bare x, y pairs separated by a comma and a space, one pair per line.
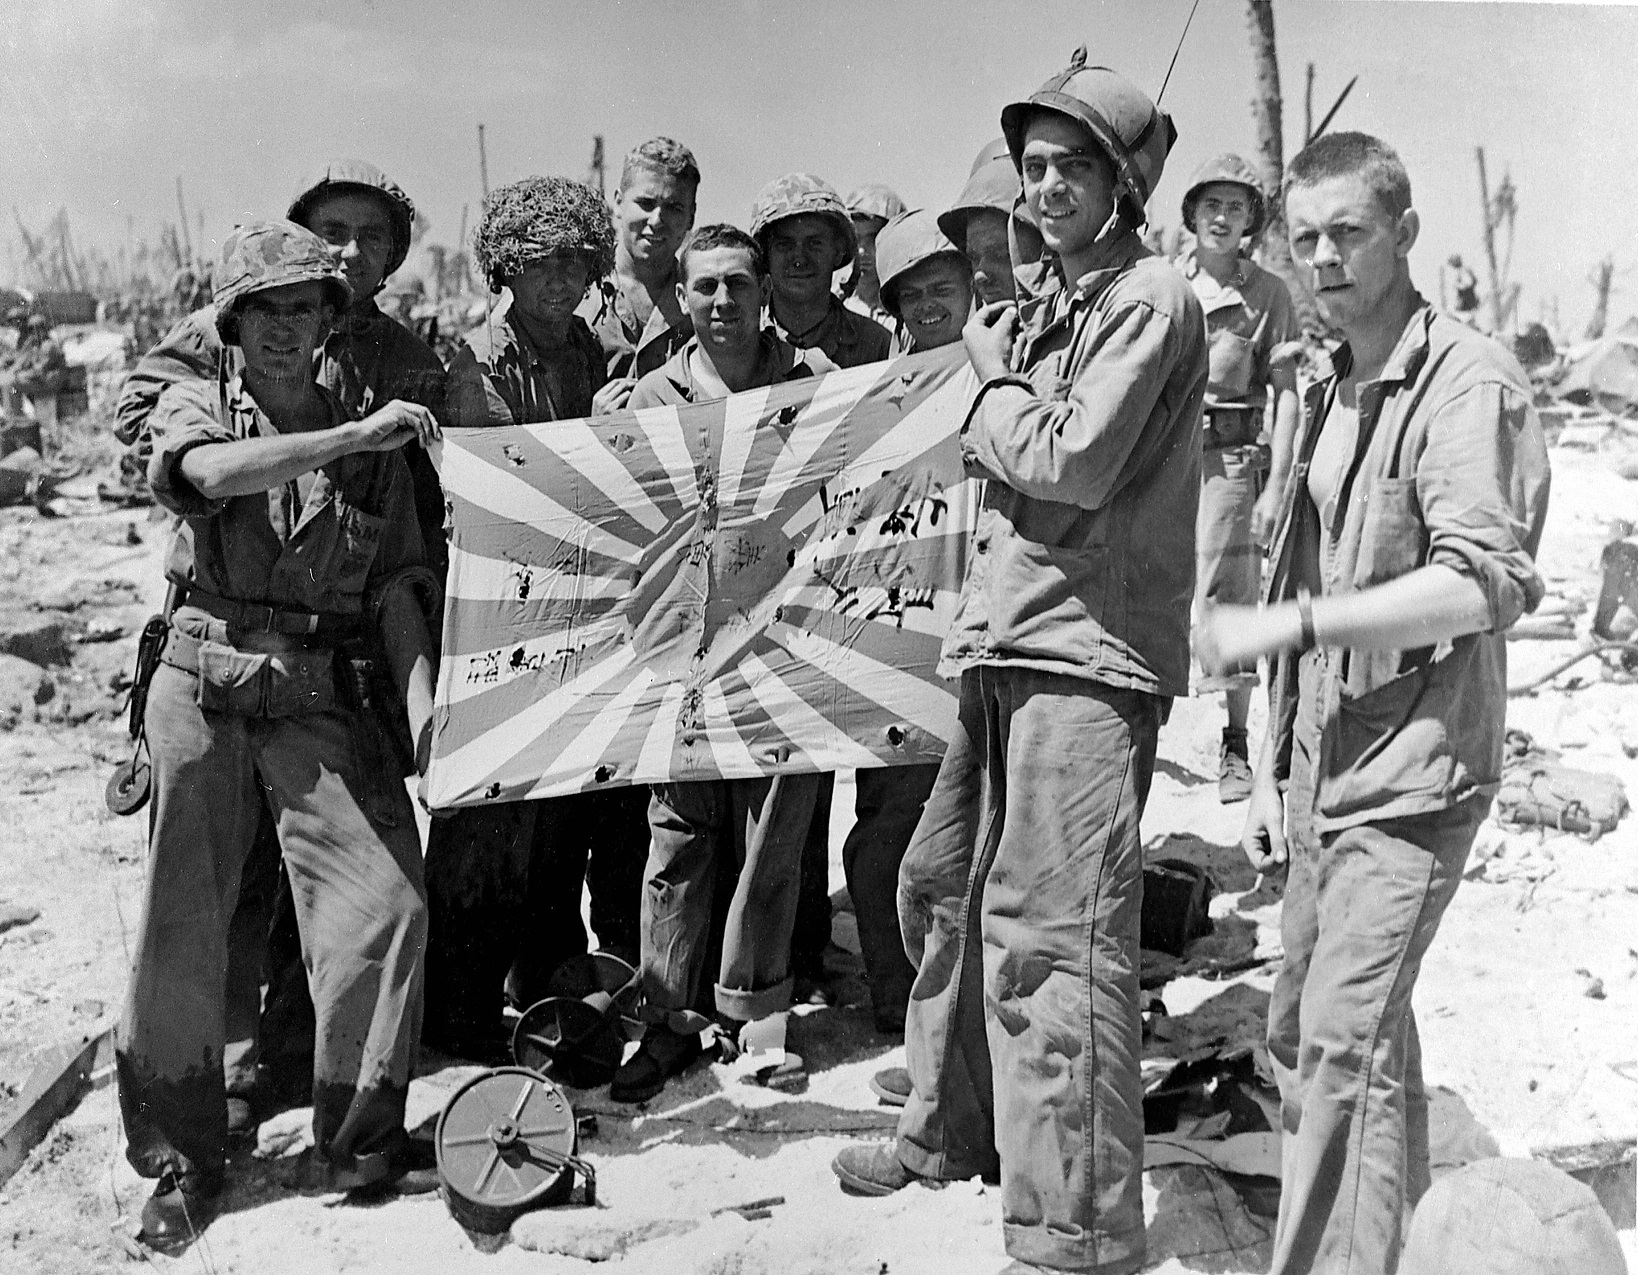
1123, 190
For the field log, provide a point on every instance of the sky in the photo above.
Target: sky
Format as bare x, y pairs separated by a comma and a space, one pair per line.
105, 103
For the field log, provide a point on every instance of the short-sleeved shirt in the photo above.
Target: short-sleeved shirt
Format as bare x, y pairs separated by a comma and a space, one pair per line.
1450, 468
322, 554
630, 348
845, 338
500, 376
1247, 319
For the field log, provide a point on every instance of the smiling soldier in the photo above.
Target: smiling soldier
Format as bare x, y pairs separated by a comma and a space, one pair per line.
633, 311
1406, 548
1021, 889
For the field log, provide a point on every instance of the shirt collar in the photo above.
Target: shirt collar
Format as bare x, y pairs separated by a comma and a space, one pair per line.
1409, 353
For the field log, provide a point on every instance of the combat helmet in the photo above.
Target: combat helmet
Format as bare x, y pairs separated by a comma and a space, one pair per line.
795, 194
272, 254
992, 183
341, 175
1232, 169
903, 244
1130, 129
874, 200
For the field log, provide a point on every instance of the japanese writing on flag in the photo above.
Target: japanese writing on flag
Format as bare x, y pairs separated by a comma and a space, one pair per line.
750, 586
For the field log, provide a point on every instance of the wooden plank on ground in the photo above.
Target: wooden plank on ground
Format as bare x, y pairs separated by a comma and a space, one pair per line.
57, 1080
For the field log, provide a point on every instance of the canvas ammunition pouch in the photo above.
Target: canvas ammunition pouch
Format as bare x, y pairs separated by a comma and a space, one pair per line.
253, 684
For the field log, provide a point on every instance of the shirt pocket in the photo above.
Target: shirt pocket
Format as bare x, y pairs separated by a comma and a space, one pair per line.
1048, 602
1393, 539
1231, 360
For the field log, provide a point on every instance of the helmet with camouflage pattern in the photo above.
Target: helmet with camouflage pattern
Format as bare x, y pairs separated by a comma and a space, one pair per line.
794, 195
906, 242
273, 254
1234, 170
344, 176
1130, 129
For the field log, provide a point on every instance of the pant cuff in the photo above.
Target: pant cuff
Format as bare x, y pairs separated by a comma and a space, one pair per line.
748, 1006
940, 1165
1096, 1254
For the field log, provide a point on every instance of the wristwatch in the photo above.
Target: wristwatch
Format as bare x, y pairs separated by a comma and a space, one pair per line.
1305, 613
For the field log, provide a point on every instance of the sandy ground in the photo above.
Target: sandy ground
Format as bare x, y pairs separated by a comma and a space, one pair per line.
1519, 1050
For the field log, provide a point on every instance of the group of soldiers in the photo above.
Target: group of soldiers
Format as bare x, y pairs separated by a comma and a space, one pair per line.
1141, 435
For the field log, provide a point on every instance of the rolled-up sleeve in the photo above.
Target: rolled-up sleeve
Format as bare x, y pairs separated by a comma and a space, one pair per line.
186, 416
1074, 450
1482, 481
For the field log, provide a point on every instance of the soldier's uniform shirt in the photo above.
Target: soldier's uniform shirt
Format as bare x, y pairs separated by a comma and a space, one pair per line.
500, 376
847, 339
630, 348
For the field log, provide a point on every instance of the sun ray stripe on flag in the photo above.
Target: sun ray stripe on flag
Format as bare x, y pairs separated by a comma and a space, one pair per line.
933, 421
660, 744
733, 759
476, 577
576, 445
591, 743
464, 770
477, 672
741, 413
663, 429
837, 395
900, 693
799, 721
873, 606
509, 497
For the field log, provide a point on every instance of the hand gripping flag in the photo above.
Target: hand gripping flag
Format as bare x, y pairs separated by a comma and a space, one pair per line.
745, 587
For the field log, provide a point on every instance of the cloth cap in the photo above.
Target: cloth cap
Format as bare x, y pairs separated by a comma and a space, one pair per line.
874, 200
341, 175
1228, 168
1511, 1217
272, 254
903, 244
1130, 129
795, 194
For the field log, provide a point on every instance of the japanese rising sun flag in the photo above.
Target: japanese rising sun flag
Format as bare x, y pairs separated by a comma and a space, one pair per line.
736, 588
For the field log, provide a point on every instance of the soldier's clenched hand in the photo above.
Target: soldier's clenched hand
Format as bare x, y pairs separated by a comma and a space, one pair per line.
395, 425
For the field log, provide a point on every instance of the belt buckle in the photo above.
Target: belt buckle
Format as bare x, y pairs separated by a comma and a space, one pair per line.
257, 616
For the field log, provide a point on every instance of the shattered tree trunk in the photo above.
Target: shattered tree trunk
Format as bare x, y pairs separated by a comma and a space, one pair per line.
1498, 300
1603, 276
1266, 112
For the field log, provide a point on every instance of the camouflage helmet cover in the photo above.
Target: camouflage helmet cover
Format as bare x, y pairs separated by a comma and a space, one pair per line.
1130, 129
273, 254
538, 217
342, 175
1234, 170
904, 243
794, 195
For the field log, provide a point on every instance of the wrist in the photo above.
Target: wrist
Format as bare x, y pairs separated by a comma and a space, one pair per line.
1306, 639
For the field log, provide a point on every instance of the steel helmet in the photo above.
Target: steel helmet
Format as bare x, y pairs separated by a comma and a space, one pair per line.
874, 200
795, 194
341, 175
1232, 169
992, 183
272, 254
903, 244
1131, 130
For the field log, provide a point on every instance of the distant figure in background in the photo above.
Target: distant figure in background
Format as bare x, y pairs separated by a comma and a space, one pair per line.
869, 208
1251, 331
633, 311
1465, 284
504, 881
1405, 550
